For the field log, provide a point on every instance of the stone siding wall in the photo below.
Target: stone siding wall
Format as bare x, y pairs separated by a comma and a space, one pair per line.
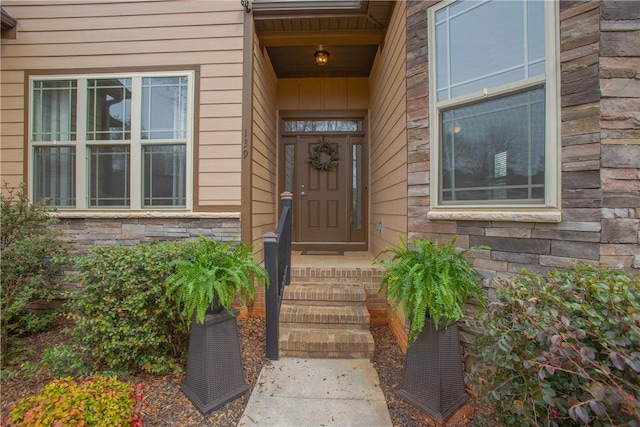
600, 137
86, 232
619, 75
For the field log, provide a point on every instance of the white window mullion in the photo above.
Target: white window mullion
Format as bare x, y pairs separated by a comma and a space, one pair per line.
59, 125
136, 180
190, 146
82, 153
553, 151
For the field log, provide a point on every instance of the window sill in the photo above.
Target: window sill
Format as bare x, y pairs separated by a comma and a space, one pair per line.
550, 215
145, 214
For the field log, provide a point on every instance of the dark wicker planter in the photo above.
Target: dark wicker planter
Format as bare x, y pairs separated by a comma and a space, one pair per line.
215, 374
433, 379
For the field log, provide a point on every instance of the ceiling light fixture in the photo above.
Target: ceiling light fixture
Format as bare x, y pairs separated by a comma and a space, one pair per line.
322, 57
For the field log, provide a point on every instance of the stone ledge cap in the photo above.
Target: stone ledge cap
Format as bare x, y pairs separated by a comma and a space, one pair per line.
145, 214
552, 215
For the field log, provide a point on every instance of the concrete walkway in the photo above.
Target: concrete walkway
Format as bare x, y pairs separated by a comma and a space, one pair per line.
317, 392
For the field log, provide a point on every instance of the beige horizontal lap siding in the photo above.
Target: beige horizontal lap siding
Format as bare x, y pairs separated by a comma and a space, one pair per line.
265, 153
122, 36
12, 127
388, 136
331, 93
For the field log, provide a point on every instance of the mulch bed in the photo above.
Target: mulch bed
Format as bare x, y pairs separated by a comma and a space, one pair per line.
168, 406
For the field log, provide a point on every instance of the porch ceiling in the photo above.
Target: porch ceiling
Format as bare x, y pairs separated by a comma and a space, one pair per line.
350, 31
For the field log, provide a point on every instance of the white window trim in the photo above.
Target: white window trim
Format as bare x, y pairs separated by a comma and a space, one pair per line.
81, 142
522, 212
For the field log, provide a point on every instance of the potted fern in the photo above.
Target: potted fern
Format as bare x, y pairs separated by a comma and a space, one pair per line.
205, 284
212, 275
433, 282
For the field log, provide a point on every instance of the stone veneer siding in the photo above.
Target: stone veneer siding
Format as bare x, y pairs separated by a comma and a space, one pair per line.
600, 129
86, 232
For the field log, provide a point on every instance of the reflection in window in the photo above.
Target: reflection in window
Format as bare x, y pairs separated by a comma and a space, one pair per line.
54, 110
356, 167
109, 176
289, 167
94, 169
164, 175
494, 150
322, 126
164, 107
109, 109
54, 175
486, 44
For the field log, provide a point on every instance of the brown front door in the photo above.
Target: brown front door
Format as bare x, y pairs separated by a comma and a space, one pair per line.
329, 206
324, 209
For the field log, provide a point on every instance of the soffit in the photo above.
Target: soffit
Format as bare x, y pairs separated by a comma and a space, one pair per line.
350, 31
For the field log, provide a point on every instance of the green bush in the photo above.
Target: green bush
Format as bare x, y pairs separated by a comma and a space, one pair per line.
124, 320
32, 262
96, 401
562, 350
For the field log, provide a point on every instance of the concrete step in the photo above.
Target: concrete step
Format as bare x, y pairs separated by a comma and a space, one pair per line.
324, 315
326, 294
326, 343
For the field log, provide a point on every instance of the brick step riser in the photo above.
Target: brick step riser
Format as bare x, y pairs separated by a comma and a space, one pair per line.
323, 303
349, 348
329, 319
327, 281
287, 326
326, 341
326, 355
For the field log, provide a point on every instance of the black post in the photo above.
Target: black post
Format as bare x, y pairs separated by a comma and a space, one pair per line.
270, 241
287, 198
277, 261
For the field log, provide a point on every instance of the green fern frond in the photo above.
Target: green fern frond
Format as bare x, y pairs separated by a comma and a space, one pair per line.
212, 270
429, 278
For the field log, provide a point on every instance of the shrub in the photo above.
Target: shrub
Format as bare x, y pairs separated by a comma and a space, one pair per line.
96, 401
562, 350
32, 262
124, 320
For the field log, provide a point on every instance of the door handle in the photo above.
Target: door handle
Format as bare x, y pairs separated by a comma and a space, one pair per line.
302, 193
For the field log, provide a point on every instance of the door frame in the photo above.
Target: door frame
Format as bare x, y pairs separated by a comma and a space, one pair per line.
360, 244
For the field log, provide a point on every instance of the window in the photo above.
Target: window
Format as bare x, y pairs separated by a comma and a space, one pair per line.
494, 132
112, 141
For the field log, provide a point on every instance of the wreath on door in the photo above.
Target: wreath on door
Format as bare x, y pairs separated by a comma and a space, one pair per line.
324, 156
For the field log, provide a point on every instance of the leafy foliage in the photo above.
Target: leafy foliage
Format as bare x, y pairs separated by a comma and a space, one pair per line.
96, 401
32, 262
562, 350
124, 319
210, 272
429, 279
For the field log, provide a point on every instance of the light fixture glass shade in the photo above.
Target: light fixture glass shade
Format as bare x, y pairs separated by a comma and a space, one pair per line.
322, 57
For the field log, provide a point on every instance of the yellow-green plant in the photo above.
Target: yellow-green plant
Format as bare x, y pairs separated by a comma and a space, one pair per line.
214, 272
96, 401
429, 278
